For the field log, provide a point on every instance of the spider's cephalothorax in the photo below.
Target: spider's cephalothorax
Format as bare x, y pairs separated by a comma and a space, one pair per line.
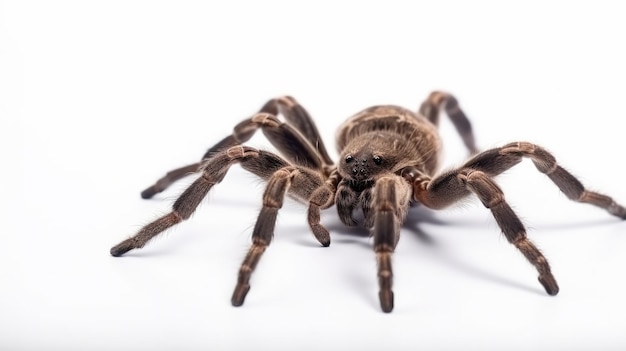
388, 160
377, 144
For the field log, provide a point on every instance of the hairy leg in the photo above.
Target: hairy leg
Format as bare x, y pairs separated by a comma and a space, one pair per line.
297, 181
321, 198
168, 179
495, 161
212, 173
309, 186
455, 185
263, 232
299, 139
432, 107
242, 132
297, 116
475, 176
390, 202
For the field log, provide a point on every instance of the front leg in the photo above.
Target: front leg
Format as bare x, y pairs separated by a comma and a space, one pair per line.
390, 202
212, 173
298, 181
455, 185
497, 160
263, 232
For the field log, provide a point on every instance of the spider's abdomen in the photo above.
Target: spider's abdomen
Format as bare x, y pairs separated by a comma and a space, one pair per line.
408, 136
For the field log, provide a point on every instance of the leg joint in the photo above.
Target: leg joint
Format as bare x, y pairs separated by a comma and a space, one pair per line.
240, 151
266, 120
543, 160
486, 189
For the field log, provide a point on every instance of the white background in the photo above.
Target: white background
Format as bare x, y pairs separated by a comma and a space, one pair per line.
100, 98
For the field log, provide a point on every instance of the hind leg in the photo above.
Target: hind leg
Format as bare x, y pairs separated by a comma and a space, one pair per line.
298, 139
432, 107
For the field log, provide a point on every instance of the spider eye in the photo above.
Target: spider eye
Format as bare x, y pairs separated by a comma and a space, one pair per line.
349, 158
378, 160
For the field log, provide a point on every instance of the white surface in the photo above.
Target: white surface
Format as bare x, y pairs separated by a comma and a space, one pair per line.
99, 99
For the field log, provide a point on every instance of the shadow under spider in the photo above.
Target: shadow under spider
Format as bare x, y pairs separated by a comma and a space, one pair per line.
415, 217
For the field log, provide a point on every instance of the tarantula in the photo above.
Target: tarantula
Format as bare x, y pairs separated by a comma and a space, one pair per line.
388, 161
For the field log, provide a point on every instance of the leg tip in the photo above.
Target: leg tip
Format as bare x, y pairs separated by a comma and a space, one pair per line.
122, 248
239, 295
552, 288
325, 241
618, 211
149, 192
386, 300
321, 234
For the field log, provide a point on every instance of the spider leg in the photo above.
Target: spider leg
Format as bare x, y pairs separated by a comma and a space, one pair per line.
213, 171
297, 116
475, 176
168, 179
452, 186
307, 186
390, 202
300, 182
321, 198
432, 106
299, 139
242, 132
263, 232
498, 160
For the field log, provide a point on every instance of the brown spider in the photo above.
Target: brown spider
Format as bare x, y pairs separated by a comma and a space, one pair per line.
389, 158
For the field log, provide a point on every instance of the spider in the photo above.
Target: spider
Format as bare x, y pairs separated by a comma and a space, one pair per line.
388, 161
